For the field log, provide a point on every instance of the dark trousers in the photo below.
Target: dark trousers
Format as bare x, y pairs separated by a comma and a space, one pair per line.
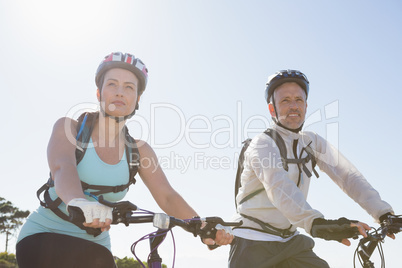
49, 250
296, 253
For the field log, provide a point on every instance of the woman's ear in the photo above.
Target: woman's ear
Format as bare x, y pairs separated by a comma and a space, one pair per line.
137, 106
271, 110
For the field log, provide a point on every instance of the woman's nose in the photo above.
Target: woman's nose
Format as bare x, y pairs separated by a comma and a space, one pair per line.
119, 90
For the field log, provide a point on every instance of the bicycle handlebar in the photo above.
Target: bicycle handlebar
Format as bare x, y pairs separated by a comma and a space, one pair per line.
123, 211
367, 245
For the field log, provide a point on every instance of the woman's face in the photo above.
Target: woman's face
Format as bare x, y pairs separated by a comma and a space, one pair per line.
118, 95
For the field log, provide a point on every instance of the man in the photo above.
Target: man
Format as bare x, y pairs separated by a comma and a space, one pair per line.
271, 201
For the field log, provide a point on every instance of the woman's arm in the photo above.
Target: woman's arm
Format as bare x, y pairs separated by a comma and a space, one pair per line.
62, 160
63, 167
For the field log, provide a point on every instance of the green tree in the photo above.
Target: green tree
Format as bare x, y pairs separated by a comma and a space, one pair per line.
131, 263
11, 218
7, 260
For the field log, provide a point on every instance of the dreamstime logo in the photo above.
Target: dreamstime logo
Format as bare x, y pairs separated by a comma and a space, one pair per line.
219, 132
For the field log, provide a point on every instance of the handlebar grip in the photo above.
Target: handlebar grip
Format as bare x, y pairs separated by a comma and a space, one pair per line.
178, 222
76, 215
212, 247
209, 231
393, 223
395, 228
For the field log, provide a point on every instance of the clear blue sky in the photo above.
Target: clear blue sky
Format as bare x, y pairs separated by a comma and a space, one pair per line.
208, 63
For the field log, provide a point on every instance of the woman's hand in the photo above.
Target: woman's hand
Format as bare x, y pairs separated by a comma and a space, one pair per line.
95, 214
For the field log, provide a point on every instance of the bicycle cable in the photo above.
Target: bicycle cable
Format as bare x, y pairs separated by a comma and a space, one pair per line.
154, 235
158, 234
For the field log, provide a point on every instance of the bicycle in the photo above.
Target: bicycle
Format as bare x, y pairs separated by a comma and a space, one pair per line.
367, 245
123, 213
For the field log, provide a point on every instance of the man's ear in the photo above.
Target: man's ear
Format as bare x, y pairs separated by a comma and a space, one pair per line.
271, 110
98, 94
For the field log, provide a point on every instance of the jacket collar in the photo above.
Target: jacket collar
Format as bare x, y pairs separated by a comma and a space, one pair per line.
285, 133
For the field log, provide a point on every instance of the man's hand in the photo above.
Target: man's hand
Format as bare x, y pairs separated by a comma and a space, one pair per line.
339, 230
361, 227
393, 222
224, 236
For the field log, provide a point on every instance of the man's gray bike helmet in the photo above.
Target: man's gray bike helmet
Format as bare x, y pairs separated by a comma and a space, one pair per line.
277, 79
284, 76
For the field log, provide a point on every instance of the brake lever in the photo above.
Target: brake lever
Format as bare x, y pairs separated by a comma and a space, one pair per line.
393, 224
218, 220
122, 206
121, 210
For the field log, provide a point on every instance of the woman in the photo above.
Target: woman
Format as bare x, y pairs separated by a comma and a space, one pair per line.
47, 239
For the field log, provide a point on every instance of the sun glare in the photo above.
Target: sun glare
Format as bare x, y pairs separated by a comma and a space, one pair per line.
62, 22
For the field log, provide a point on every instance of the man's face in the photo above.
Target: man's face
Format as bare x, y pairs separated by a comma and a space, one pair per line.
291, 105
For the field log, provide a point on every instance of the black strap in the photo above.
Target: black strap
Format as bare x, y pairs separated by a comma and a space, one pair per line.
240, 167
310, 153
283, 152
132, 155
267, 228
103, 189
277, 138
85, 126
42, 189
251, 195
295, 142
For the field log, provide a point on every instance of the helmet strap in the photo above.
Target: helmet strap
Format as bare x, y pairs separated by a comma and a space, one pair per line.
276, 119
118, 119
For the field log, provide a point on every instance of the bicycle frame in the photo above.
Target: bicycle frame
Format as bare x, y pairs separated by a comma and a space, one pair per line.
366, 251
155, 261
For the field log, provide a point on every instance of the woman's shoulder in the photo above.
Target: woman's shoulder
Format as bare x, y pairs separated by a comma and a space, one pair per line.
65, 127
66, 122
143, 146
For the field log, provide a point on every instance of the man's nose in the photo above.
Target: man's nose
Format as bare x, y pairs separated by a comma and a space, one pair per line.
293, 104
